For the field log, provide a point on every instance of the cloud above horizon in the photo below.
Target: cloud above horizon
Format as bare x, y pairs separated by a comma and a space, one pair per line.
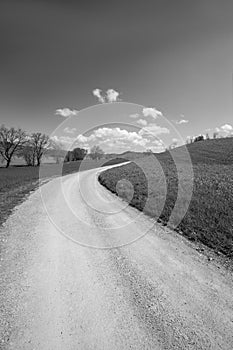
65, 141
66, 112
110, 96
182, 121
134, 116
69, 130
119, 140
226, 129
142, 122
153, 130
98, 93
151, 112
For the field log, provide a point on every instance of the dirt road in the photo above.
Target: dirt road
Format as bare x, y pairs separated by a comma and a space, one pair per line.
58, 292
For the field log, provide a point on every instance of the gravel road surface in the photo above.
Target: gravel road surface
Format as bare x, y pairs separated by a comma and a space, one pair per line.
82, 270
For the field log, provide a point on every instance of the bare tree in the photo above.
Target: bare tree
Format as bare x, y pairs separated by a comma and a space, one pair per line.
40, 143
96, 152
28, 154
10, 141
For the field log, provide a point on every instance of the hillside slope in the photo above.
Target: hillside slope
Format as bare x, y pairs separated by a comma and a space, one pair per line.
216, 151
161, 190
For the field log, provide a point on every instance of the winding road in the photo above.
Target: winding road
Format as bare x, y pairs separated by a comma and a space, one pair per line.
83, 271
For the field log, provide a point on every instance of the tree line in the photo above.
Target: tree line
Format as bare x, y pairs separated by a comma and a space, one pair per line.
16, 142
201, 137
80, 153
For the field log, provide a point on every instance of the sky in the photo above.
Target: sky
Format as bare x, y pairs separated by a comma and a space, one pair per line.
174, 57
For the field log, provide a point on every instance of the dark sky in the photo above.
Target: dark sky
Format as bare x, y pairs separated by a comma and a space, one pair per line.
174, 55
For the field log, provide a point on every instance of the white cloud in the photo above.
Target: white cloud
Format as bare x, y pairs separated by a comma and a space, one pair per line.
81, 138
153, 130
182, 121
119, 140
148, 112
174, 143
158, 142
66, 112
116, 133
112, 95
142, 122
227, 128
151, 112
158, 145
115, 139
136, 115
98, 93
69, 130
65, 141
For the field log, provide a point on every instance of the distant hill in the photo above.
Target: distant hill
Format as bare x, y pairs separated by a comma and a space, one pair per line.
128, 155
216, 151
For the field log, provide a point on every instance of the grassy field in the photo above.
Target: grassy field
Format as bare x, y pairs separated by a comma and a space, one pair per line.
18, 181
209, 218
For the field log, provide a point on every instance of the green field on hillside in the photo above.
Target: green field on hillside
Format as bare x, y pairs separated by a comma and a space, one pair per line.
209, 216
